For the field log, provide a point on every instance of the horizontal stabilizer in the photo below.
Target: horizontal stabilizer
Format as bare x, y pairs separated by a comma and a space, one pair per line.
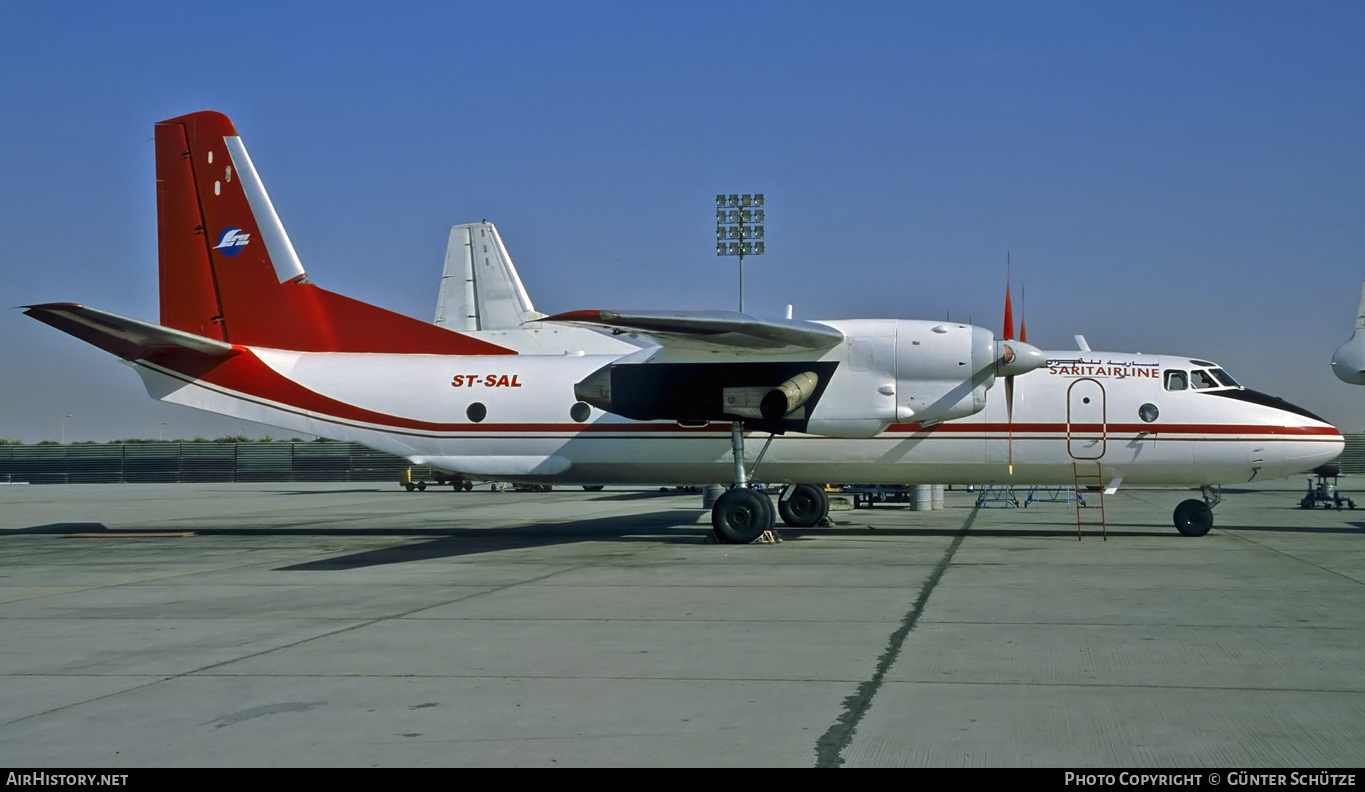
711, 330
129, 339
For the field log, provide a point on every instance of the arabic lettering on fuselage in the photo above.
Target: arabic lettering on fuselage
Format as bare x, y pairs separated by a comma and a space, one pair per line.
1118, 369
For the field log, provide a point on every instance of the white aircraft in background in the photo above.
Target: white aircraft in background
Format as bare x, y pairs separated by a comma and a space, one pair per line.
1348, 362
659, 397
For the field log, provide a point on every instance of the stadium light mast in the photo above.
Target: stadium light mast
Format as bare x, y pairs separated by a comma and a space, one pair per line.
739, 230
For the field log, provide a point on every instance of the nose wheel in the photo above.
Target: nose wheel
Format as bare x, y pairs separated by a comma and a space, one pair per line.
1195, 517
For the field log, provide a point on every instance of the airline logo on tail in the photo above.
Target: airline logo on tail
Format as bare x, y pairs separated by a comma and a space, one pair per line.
231, 241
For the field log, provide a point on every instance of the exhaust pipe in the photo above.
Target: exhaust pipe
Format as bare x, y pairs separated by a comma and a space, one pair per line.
785, 398
595, 389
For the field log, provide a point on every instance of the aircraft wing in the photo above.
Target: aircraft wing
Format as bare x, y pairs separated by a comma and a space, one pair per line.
129, 339
711, 330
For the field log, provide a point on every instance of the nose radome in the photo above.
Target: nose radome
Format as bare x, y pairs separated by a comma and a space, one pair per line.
1348, 363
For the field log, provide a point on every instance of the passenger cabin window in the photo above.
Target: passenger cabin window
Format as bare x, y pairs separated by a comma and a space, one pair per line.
1202, 380
1176, 380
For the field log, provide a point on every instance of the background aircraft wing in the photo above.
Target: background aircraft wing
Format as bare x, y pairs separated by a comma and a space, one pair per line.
711, 330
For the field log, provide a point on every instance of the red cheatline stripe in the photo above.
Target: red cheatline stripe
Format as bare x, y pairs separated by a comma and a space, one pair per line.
244, 376
1156, 430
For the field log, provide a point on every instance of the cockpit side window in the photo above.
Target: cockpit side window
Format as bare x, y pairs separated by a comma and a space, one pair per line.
1176, 380
1202, 380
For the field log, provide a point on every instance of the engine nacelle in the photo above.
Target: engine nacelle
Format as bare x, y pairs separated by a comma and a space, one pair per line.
914, 372
942, 371
884, 372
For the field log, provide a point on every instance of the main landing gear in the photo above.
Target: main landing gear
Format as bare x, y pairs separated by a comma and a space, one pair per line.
1195, 517
803, 505
741, 515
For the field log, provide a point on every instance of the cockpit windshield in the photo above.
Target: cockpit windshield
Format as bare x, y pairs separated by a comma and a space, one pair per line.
1198, 379
1202, 380
1226, 378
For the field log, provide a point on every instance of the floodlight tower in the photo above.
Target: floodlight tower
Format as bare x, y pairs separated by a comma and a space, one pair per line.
739, 230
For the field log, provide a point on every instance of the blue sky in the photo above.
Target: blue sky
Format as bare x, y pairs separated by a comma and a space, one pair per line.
1184, 177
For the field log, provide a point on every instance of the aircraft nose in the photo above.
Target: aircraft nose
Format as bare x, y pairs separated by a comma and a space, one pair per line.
1319, 453
1319, 442
1018, 357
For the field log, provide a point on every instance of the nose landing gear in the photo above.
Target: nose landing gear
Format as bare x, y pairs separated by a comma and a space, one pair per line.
1195, 517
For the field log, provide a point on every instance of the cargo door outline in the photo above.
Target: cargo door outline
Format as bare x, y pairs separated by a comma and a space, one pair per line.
1086, 421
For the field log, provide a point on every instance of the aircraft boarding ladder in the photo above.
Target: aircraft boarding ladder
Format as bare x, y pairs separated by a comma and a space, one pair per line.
1089, 474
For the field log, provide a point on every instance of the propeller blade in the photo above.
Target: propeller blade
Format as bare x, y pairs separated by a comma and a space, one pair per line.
1009, 314
1008, 355
1015, 358
1009, 424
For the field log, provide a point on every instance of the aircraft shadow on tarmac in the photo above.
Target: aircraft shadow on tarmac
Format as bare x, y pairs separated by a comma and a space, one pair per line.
656, 527
484, 491
63, 528
1356, 527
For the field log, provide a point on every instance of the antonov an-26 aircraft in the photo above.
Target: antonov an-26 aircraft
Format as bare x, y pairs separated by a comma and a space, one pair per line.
660, 397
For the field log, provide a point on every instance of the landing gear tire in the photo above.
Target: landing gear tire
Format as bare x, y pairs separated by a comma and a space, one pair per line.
741, 515
409, 486
769, 510
422, 486
807, 506
1193, 518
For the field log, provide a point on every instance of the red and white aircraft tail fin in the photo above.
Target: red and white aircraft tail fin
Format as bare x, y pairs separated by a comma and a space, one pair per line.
229, 272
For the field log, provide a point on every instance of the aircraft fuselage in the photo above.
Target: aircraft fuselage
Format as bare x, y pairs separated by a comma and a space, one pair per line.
1141, 417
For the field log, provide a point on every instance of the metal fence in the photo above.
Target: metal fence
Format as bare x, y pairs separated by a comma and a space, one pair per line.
222, 462
198, 462
1352, 460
